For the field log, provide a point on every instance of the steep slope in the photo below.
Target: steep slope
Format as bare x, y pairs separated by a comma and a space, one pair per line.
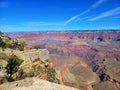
89, 70
16, 64
74, 72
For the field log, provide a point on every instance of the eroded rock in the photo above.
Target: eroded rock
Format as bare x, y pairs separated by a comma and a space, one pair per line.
34, 84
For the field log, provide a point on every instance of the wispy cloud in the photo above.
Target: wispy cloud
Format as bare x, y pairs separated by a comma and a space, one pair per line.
71, 19
112, 12
3, 4
42, 23
95, 5
76, 16
84, 18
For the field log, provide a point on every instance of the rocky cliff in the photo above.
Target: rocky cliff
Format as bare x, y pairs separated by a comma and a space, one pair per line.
74, 72
82, 59
108, 70
16, 64
34, 84
42, 54
101, 35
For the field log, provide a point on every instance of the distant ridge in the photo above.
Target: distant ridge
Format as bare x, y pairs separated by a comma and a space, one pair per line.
63, 30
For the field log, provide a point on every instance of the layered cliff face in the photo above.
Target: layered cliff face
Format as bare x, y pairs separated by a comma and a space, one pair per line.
82, 59
91, 35
108, 70
74, 72
105, 86
78, 43
16, 64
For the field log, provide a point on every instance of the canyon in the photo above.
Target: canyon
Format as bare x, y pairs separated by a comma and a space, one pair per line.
87, 60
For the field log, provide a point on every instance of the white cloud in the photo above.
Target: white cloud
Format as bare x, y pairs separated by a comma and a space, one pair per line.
96, 4
76, 16
84, 18
71, 19
112, 12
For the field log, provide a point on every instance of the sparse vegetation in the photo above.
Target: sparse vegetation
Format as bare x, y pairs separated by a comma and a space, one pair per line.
3, 56
13, 64
17, 45
37, 69
7, 42
51, 74
31, 73
21, 74
2, 43
1, 33
3, 80
13, 71
37, 47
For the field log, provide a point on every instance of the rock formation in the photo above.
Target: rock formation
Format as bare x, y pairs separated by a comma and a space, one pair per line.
105, 86
107, 70
42, 54
74, 72
83, 59
34, 84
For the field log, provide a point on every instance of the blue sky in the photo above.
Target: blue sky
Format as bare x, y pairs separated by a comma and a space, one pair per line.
34, 15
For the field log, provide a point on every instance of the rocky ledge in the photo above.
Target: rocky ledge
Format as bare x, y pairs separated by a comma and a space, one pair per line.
33, 84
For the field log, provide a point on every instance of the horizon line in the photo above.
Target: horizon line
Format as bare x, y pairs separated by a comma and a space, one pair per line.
63, 30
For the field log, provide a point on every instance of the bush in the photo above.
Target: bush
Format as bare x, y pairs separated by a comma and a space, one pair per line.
21, 74
37, 47
31, 73
51, 74
13, 63
3, 80
13, 45
2, 44
3, 56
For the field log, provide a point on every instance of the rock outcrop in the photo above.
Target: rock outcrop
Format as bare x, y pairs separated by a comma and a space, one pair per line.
108, 70
74, 72
34, 84
105, 86
42, 54
98, 49
33, 54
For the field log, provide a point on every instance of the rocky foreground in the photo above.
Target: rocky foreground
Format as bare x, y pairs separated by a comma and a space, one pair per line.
34, 84
22, 68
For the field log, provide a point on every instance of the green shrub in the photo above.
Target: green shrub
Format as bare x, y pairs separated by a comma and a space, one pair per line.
3, 56
2, 44
21, 74
30, 74
3, 80
14, 45
13, 63
51, 74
